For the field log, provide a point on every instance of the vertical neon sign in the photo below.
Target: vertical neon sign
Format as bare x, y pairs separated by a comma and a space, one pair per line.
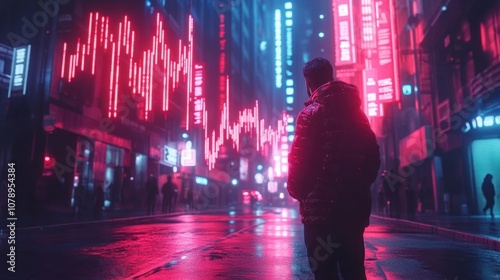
345, 52
222, 62
198, 96
277, 43
117, 41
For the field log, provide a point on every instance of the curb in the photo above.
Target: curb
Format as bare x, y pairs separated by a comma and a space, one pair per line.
488, 242
114, 220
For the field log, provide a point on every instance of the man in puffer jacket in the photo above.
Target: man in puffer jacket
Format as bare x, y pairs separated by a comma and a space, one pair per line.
333, 161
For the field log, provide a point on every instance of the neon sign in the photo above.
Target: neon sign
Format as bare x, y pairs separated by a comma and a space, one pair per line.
277, 43
131, 67
344, 32
198, 97
388, 84
19, 71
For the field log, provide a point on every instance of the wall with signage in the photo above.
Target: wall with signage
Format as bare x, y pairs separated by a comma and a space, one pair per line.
377, 46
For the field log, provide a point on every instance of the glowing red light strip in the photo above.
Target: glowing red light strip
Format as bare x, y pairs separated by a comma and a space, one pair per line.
83, 57
227, 106
101, 39
94, 49
70, 67
63, 59
168, 80
106, 36
90, 29
134, 87
111, 78
77, 52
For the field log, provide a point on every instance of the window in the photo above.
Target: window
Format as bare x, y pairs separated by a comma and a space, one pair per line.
489, 38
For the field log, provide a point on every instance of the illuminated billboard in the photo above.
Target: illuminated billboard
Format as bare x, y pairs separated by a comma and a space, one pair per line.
198, 96
19, 71
345, 52
386, 52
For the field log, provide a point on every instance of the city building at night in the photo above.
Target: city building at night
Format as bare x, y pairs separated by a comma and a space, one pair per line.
444, 132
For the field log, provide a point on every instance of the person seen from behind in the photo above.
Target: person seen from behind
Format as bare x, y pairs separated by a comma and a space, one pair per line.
333, 161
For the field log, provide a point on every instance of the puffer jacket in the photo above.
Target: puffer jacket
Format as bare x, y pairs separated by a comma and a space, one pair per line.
334, 158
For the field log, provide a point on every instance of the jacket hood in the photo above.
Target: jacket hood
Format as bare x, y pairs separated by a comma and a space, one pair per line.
336, 94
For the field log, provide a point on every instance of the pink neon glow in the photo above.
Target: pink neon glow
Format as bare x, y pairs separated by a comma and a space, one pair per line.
83, 57
106, 35
111, 81
101, 39
63, 59
95, 43
77, 52
175, 61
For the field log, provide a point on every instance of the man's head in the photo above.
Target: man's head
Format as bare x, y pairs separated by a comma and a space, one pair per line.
317, 72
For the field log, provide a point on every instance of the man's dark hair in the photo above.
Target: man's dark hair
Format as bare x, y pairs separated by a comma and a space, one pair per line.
318, 71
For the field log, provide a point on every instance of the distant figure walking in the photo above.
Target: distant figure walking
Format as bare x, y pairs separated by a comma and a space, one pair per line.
98, 201
489, 194
411, 202
152, 192
167, 191
190, 198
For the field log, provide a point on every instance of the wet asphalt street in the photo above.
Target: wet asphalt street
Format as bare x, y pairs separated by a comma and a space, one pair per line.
234, 244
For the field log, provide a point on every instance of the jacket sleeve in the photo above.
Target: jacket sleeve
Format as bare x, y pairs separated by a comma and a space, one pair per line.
373, 158
301, 156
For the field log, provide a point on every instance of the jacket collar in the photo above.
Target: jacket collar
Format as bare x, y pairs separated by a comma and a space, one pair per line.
317, 93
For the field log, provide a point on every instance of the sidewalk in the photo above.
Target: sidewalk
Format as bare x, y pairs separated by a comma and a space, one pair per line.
477, 229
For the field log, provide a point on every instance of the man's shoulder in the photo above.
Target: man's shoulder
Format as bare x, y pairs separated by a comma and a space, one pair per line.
310, 109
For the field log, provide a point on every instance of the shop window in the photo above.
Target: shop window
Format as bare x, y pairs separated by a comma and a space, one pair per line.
490, 40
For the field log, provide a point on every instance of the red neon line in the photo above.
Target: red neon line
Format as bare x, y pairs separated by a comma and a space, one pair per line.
134, 90
74, 66
63, 60
111, 78
107, 32
130, 72
132, 45
117, 78
143, 77
83, 56
90, 29
227, 102
128, 36
102, 31
155, 49
70, 67
168, 79
151, 73
124, 40
119, 39
77, 52
95, 43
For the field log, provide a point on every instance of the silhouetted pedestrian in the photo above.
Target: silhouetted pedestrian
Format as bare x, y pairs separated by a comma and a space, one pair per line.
167, 191
411, 202
151, 193
98, 201
489, 194
190, 198
333, 160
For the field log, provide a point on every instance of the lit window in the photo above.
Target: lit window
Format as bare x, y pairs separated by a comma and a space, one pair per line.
288, 22
288, 5
289, 82
289, 100
289, 91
